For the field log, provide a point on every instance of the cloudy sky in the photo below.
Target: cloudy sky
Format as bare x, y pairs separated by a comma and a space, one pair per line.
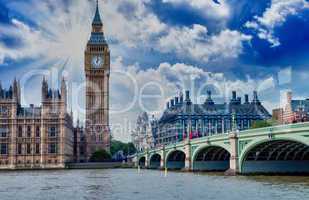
159, 48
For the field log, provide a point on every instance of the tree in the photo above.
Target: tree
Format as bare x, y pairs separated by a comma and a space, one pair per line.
127, 148
100, 156
261, 124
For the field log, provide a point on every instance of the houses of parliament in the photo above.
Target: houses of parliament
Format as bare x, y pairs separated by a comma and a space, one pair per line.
44, 136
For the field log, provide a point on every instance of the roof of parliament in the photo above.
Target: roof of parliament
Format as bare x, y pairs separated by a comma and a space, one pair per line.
180, 107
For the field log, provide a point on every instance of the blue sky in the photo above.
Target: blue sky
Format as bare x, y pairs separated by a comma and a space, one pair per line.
180, 44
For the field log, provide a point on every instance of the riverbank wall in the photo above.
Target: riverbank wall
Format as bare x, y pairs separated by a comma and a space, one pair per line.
101, 165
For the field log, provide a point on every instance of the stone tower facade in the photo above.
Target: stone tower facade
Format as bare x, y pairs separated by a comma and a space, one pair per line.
97, 71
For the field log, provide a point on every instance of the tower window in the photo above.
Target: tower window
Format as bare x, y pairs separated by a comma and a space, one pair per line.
20, 131
19, 149
52, 131
3, 149
4, 131
52, 148
28, 148
37, 131
28, 131
37, 148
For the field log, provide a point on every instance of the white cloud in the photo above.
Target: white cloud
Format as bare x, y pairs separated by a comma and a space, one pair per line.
196, 43
170, 79
275, 16
62, 32
208, 7
136, 27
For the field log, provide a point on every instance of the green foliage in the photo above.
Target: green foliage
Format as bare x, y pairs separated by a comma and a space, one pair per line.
262, 124
127, 148
101, 156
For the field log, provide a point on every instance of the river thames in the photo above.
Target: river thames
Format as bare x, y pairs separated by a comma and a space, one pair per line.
128, 184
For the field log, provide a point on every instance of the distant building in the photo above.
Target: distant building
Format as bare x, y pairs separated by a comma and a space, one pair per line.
119, 156
142, 137
292, 111
182, 118
35, 137
80, 144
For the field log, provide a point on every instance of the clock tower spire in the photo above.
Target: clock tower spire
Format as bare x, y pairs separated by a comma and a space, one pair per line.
97, 22
97, 70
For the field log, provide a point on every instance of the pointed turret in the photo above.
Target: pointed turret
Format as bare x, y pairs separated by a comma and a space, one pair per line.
97, 34
77, 123
1, 91
44, 89
15, 89
64, 91
181, 97
97, 18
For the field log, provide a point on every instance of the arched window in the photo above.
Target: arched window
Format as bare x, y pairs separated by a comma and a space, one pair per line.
28, 131
20, 131
37, 131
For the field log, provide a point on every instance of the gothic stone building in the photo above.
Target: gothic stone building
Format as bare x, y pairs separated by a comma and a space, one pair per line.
183, 119
142, 137
97, 71
35, 137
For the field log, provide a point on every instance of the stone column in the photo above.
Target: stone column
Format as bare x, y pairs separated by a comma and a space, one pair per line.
147, 159
234, 159
162, 162
12, 132
62, 142
188, 163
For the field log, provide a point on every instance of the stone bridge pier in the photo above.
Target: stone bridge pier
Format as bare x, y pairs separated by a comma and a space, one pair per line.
234, 158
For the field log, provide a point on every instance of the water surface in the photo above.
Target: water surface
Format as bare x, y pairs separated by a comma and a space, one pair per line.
128, 184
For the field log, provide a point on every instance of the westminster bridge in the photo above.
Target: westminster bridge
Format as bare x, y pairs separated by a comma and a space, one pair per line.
277, 149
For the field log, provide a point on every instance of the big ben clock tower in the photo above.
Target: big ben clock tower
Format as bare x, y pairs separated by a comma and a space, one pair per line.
97, 70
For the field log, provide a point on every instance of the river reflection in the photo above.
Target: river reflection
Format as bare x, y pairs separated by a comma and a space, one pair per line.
147, 184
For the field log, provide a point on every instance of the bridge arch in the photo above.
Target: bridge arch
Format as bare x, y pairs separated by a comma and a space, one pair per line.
175, 160
142, 162
281, 155
155, 161
211, 158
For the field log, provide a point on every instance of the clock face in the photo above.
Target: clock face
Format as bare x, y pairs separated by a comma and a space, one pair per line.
97, 62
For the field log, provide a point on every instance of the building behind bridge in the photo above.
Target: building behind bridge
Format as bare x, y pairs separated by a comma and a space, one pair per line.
182, 118
291, 110
142, 136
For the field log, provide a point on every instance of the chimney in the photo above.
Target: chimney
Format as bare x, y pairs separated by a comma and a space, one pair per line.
187, 95
176, 100
208, 94
188, 100
172, 103
246, 98
255, 96
234, 95
239, 100
181, 98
